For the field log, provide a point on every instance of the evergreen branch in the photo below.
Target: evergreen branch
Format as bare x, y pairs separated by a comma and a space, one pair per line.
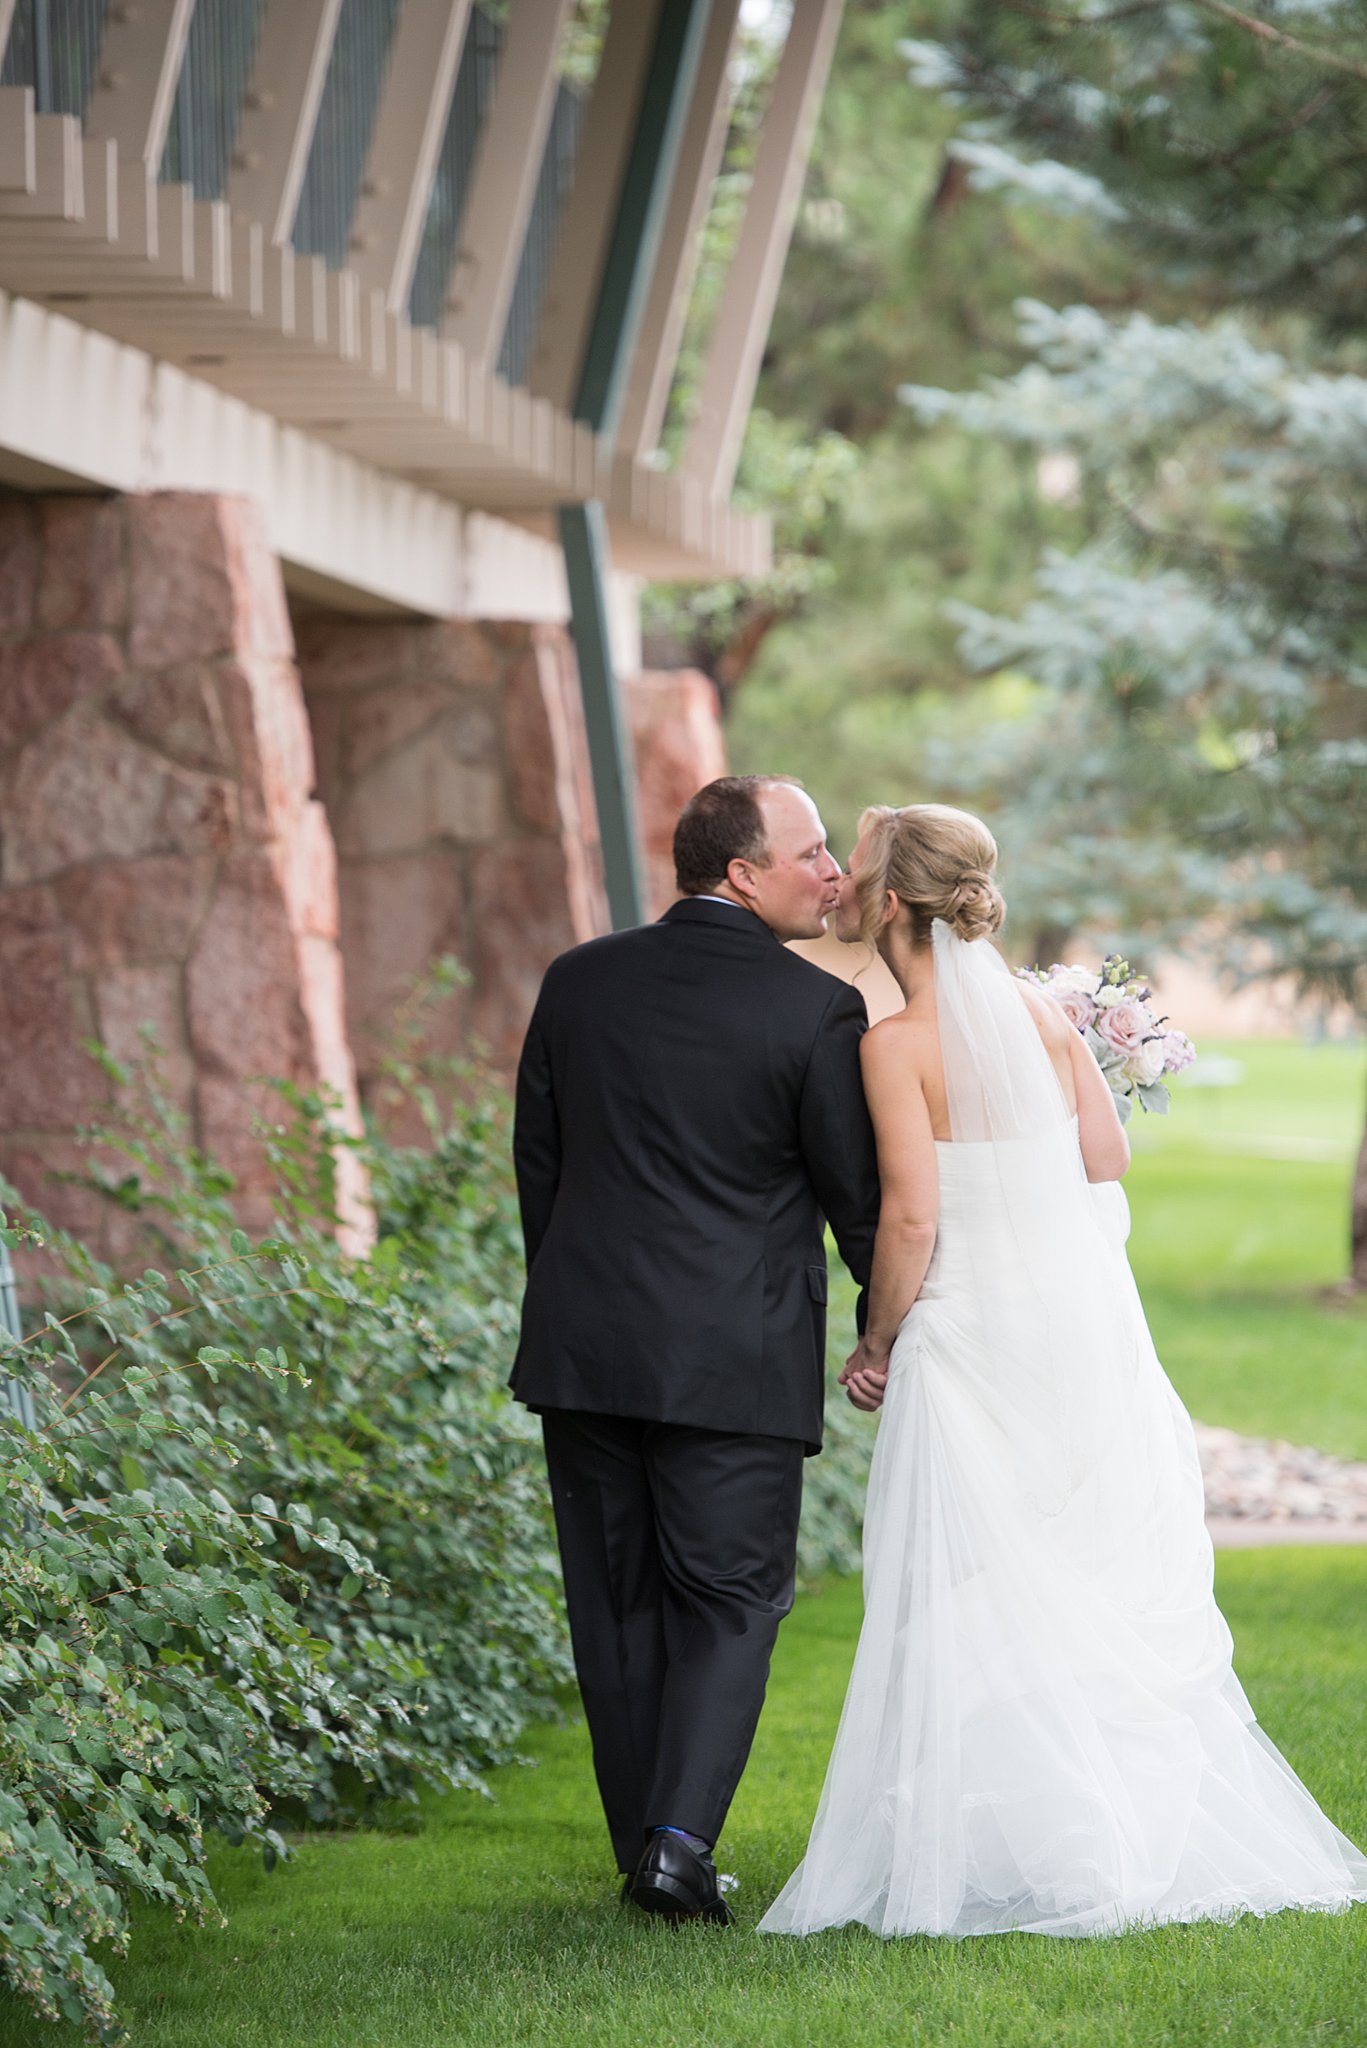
1221, 557
1123, 13
1265, 33
1261, 138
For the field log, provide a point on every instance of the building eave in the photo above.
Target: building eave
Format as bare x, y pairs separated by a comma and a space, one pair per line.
93, 237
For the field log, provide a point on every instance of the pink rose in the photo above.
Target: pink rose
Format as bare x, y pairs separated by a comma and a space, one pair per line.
1178, 1051
1124, 1026
1076, 1005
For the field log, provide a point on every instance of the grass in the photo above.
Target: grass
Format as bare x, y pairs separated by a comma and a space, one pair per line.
498, 1923
1240, 1208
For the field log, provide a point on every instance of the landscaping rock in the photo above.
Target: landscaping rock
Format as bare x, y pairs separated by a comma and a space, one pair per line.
1255, 1479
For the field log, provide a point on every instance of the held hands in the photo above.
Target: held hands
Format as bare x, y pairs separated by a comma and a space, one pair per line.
865, 1377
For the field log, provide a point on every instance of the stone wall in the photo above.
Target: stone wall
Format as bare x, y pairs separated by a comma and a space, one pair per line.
453, 764
676, 731
164, 865
192, 844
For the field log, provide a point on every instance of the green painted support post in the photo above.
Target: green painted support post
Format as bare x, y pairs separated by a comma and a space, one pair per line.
602, 382
640, 213
583, 535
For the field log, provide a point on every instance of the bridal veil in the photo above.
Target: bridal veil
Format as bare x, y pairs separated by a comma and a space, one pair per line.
1043, 1729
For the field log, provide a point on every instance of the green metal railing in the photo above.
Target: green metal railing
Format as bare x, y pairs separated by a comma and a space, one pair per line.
450, 190
346, 115
543, 231
474, 81
54, 46
214, 73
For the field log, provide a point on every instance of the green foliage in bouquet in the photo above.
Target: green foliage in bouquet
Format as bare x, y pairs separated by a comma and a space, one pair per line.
280, 1535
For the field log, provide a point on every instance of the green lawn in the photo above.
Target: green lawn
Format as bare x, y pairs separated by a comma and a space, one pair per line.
1240, 1207
498, 1923
495, 1922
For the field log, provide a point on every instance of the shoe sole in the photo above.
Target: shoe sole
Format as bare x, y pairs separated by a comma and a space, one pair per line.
669, 1900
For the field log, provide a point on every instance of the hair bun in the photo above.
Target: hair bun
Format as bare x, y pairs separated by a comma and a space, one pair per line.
936, 860
974, 908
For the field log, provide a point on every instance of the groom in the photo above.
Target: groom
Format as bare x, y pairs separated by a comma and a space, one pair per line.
689, 1108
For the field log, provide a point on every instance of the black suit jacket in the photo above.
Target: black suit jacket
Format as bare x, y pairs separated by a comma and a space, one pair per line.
689, 1107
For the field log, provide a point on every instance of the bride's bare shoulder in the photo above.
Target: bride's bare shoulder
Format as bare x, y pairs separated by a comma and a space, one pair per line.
899, 1039
1054, 1027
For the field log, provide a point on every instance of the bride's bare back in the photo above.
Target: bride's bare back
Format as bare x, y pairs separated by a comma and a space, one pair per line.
1105, 1148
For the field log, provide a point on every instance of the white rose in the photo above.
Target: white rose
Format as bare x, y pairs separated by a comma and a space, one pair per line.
1107, 997
1145, 1066
1062, 979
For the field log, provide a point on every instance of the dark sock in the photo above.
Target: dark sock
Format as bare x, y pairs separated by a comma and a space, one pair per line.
695, 1842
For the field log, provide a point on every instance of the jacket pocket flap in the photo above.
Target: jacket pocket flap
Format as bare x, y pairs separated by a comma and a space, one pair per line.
816, 1283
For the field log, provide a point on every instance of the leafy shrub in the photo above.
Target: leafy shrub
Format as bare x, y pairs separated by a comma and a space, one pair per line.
833, 1492
157, 1678
413, 1568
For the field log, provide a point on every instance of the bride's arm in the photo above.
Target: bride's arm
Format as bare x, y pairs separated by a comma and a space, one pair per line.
1101, 1135
910, 1208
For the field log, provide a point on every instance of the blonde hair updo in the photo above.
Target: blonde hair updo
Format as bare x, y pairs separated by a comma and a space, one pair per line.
936, 860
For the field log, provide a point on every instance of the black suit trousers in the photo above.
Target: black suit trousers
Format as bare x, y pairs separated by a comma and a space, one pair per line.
679, 1549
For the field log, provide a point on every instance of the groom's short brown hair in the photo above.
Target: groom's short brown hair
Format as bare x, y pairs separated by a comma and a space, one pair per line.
722, 823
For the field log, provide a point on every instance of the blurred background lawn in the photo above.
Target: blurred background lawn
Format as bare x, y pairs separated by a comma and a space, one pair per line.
1240, 1207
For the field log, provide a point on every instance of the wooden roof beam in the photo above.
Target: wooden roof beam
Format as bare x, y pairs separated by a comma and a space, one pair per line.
736, 349
135, 82
386, 229
280, 112
503, 181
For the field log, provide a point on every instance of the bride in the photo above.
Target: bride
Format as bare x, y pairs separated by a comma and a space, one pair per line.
1043, 1730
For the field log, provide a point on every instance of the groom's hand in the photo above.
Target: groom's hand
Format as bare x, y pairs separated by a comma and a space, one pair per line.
865, 1379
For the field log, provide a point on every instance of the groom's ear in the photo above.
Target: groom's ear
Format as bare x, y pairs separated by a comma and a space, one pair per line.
741, 875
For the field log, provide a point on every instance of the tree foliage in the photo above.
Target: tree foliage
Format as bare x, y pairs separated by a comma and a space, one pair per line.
1206, 651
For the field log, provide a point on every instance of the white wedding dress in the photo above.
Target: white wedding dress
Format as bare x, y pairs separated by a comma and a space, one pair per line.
1042, 1730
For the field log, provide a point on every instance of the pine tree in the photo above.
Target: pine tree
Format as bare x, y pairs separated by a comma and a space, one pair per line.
1202, 661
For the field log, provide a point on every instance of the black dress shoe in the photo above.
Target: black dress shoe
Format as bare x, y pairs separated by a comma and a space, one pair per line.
678, 1883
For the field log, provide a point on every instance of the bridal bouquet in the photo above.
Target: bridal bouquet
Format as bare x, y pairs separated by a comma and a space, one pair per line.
1134, 1048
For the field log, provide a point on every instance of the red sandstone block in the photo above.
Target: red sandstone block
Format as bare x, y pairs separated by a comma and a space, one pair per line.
177, 711
377, 720
520, 919
398, 916
84, 578
537, 741
19, 555
134, 912
306, 866
84, 792
40, 679
348, 654
420, 794
263, 706
260, 607
46, 1077
242, 981
467, 652
132, 1002
183, 588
